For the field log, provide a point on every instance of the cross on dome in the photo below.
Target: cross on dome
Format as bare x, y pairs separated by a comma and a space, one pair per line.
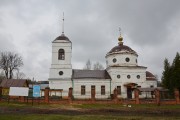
120, 38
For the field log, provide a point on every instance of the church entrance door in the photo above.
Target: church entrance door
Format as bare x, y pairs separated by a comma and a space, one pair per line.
129, 92
93, 89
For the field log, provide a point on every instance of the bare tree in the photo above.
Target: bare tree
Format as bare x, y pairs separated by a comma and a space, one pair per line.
88, 65
4, 63
2, 76
20, 75
9, 62
98, 66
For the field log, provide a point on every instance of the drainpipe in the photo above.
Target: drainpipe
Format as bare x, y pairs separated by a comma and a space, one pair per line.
72, 86
110, 87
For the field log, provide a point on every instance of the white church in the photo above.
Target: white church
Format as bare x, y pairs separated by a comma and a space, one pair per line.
122, 73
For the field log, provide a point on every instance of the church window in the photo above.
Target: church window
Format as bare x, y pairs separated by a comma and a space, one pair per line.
127, 59
119, 90
83, 90
128, 76
138, 76
118, 76
136, 60
114, 60
61, 54
102, 90
61, 73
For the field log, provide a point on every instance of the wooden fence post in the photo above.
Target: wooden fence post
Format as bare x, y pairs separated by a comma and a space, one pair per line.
136, 95
46, 95
70, 95
176, 92
115, 96
157, 96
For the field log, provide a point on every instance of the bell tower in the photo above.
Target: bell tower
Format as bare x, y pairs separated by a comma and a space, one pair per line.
61, 68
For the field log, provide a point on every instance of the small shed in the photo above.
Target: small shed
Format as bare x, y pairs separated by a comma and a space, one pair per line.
7, 83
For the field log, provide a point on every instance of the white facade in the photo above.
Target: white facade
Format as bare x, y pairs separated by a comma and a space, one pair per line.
120, 58
88, 83
122, 73
133, 72
61, 68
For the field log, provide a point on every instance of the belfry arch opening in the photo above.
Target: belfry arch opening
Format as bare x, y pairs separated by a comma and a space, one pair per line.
61, 54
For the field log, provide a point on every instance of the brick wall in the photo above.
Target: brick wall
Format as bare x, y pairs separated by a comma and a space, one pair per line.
113, 100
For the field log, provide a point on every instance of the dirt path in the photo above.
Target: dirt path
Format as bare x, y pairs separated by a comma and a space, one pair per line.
79, 111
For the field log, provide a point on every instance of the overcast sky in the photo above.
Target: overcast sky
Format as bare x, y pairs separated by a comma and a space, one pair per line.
150, 27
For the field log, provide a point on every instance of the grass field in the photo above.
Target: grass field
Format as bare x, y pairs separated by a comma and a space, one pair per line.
82, 117
21, 111
88, 106
119, 106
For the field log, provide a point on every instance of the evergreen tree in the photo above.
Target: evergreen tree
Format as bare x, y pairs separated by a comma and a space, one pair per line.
166, 74
171, 74
176, 72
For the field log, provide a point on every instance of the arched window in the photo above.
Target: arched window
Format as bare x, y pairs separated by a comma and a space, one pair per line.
61, 54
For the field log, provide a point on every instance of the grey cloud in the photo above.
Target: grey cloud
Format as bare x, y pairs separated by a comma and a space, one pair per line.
92, 26
6, 41
145, 21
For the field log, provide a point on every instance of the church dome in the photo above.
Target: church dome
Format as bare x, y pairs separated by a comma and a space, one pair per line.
122, 49
121, 55
62, 37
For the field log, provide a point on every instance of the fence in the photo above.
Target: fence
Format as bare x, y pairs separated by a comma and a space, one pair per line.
98, 95
167, 95
139, 97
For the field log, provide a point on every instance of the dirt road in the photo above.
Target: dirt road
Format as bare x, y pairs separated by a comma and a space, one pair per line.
79, 111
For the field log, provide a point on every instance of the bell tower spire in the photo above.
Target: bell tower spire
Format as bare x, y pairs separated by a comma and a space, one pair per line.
63, 24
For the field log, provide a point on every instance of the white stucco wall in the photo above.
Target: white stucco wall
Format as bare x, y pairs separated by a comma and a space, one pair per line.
57, 81
124, 71
61, 84
68, 53
121, 60
152, 83
123, 80
88, 83
54, 73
